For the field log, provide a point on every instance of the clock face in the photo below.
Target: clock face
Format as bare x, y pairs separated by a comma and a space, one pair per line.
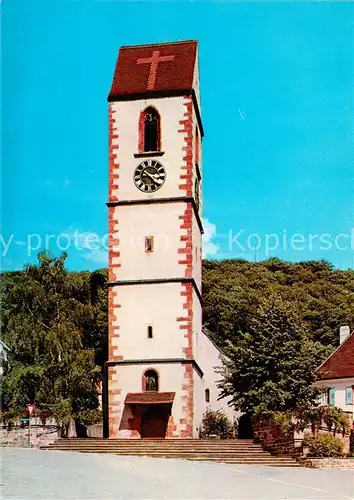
197, 193
149, 176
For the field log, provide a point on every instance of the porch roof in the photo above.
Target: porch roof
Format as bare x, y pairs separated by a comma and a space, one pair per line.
149, 397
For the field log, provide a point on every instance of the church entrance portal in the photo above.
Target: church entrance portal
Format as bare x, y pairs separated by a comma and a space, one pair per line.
154, 422
245, 428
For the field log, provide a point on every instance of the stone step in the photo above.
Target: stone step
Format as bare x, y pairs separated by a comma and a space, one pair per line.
158, 450
165, 453
163, 447
264, 461
230, 451
151, 444
215, 442
157, 447
197, 454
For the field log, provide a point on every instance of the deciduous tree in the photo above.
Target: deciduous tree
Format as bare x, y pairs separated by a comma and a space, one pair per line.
50, 324
271, 366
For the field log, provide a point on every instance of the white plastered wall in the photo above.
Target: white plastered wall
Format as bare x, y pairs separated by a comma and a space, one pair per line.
161, 221
197, 325
339, 385
126, 120
197, 253
171, 378
208, 358
157, 305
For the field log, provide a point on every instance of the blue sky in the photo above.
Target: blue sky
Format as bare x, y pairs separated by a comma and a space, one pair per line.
277, 108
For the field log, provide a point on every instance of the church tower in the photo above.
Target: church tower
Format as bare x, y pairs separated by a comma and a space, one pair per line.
155, 381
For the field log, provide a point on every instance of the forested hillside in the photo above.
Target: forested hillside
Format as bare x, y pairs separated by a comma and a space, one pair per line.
322, 297
55, 321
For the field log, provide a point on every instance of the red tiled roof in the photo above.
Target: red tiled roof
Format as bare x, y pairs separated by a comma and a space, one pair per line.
341, 363
154, 68
149, 397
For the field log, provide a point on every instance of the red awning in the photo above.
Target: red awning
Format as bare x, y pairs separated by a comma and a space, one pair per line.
142, 398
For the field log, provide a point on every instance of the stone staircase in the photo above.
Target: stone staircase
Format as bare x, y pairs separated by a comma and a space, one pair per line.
230, 451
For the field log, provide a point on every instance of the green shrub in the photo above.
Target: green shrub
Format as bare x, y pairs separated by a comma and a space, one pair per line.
308, 439
216, 424
325, 445
89, 417
284, 422
335, 419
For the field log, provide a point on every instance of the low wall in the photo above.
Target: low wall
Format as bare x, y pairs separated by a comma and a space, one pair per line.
329, 463
273, 439
95, 431
18, 435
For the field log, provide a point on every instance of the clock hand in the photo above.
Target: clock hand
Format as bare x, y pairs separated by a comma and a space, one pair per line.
153, 177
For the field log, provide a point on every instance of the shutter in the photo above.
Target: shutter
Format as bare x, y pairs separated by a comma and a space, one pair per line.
348, 396
332, 396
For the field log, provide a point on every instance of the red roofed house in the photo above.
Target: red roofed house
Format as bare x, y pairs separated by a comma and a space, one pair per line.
161, 366
337, 374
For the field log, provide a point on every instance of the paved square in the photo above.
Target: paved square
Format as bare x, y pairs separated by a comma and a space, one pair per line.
33, 474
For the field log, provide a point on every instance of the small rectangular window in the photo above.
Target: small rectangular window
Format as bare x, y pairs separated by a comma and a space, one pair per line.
348, 396
332, 396
149, 244
149, 332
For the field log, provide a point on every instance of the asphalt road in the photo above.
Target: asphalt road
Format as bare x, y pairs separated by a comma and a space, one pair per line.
33, 474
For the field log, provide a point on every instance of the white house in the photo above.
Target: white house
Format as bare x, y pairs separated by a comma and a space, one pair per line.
337, 375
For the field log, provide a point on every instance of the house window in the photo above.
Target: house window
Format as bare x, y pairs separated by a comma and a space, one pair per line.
149, 130
323, 398
331, 396
207, 395
149, 332
149, 244
348, 395
151, 381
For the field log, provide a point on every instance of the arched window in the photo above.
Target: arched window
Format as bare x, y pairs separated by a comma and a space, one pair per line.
149, 130
207, 395
151, 381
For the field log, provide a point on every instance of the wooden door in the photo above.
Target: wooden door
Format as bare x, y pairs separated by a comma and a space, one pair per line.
154, 423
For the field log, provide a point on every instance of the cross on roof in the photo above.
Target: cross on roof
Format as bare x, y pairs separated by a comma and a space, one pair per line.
154, 69
154, 60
